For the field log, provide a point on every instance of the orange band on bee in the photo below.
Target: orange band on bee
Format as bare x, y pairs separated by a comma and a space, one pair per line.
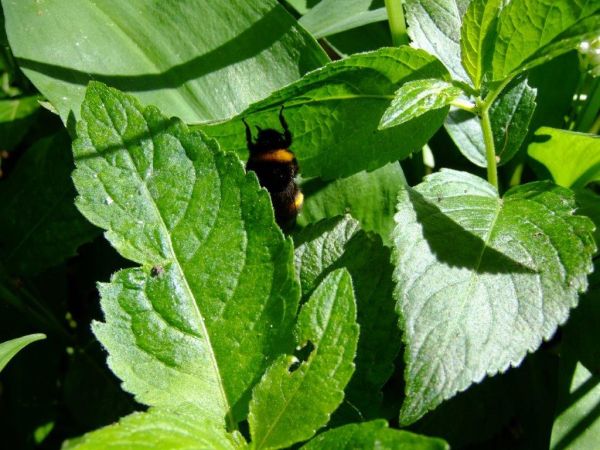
282, 156
299, 200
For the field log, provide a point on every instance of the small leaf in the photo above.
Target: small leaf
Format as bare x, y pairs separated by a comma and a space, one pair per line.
576, 426
531, 31
481, 280
327, 18
9, 349
333, 114
373, 435
477, 37
173, 429
296, 397
339, 242
572, 158
16, 116
370, 197
175, 55
215, 264
415, 98
510, 116
434, 26
49, 229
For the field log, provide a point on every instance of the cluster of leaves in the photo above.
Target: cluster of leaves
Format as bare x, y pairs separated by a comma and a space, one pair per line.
385, 308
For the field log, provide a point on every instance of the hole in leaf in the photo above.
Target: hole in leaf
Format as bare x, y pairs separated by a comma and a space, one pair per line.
301, 355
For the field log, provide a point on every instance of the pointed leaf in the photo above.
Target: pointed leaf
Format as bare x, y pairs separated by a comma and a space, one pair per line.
336, 243
477, 37
214, 263
572, 158
373, 436
49, 229
172, 429
481, 280
333, 113
8, 349
295, 397
370, 197
171, 54
415, 98
535, 30
434, 26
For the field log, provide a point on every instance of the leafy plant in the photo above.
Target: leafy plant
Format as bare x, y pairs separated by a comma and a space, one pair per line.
412, 300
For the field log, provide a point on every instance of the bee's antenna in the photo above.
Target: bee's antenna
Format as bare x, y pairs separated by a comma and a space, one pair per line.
248, 134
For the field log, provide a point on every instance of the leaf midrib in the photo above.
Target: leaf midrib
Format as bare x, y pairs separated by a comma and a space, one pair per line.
182, 273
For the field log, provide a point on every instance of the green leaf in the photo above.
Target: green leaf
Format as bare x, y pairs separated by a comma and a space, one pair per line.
49, 229
373, 435
296, 396
477, 37
481, 280
339, 242
532, 31
16, 116
333, 113
434, 26
172, 54
577, 426
370, 197
415, 98
9, 349
214, 263
328, 18
510, 116
572, 158
173, 429
588, 204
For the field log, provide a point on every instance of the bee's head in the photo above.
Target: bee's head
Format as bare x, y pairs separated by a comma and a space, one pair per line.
270, 139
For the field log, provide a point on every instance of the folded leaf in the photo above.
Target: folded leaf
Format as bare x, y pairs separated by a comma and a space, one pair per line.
214, 264
9, 349
296, 397
481, 280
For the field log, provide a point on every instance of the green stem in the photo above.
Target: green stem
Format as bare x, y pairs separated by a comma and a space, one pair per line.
595, 128
464, 105
490, 150
396, 20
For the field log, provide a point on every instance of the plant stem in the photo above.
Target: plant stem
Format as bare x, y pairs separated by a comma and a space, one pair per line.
396, 20
490, 149
464, 105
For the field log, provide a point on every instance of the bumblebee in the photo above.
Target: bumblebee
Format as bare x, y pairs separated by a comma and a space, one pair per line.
276, 168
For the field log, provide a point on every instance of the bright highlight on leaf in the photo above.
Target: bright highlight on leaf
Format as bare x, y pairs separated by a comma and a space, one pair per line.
481, 280
213, 262
297, 394
572, 158
416, 98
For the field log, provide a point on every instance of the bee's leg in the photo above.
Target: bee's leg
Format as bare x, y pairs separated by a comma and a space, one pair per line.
248, 136
286, 130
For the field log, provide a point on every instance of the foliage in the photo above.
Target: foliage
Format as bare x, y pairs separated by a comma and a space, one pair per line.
414, 305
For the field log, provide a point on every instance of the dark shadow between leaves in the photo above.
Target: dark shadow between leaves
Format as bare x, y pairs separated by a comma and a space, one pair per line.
257, 38
455, 246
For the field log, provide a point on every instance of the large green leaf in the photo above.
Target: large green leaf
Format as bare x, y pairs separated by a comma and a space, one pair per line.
328, 18
370, 197
415, 98
333, 113
197, 59
434, 26
510, 115
296, 396
49, 228
373, 435
477, 37
577, 425
572, 158
173, 429
214, 264
481, 280
10, 348
531, 31
339, 242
